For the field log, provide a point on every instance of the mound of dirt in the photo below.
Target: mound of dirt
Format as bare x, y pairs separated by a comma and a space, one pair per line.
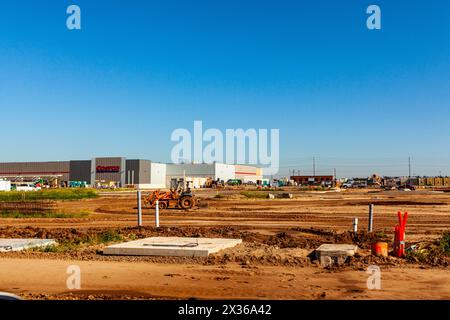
295, 238
252, 254
83, 234
291, 248
313, 238
429, 253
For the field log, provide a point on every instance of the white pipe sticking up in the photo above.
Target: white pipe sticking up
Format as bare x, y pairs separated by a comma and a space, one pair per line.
355, 225
157, 214
139, 204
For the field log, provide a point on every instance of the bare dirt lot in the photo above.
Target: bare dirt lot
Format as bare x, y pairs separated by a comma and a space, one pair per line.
273, 262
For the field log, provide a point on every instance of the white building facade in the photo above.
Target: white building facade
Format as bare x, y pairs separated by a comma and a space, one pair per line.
199, 173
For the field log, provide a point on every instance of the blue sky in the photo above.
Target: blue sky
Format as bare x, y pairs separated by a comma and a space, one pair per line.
360, 101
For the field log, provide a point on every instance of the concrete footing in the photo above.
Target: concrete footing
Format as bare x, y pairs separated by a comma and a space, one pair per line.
330, 254
7, 245
171, 246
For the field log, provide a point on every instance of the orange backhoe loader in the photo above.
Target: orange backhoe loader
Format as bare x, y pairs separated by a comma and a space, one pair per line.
175, 198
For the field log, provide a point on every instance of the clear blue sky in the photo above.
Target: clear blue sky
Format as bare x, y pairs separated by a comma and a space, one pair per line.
358, 100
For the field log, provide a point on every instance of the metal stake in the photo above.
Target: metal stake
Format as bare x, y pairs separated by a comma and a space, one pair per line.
370, 217
157, 214
355, 227
139, 208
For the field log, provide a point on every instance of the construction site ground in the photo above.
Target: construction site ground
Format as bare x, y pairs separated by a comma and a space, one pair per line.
273, 262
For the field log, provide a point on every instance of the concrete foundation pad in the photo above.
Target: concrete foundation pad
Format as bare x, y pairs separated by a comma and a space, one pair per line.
171, 246
329, 254
7, 245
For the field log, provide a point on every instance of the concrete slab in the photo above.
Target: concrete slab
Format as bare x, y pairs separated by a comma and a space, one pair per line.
7, 245
171, 246
329, 254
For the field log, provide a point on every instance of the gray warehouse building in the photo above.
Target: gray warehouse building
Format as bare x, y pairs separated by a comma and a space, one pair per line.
107, 171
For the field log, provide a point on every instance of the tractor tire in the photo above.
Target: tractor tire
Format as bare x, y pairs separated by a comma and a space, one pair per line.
187, 202
162, 205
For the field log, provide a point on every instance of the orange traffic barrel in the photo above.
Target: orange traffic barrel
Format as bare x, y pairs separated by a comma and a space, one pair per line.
380, 249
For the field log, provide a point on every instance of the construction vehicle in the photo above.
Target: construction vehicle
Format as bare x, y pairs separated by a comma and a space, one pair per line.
178, 197
234, 182
215, 184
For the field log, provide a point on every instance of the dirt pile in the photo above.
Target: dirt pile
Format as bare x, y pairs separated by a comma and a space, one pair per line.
313, 238
289, 248
83, 234
249, 255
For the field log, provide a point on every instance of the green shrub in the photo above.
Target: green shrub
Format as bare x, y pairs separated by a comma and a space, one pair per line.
63, 246
313, 188
132, 236
380, 234
255, 194
58, 215
48, 194
445, 243
109, 236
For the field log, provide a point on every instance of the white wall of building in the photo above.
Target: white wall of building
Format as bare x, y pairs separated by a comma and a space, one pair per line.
157, 176
224, 172
248, 173
190, 169
196, 182
197, 173
5, 185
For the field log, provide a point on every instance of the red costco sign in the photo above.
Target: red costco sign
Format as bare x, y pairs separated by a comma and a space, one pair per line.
103, 169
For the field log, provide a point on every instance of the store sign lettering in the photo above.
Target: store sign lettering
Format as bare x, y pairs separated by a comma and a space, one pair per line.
103, 169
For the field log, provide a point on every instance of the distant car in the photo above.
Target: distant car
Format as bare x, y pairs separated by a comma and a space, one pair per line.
362, 185
234, 182
348, 184
407, 187
27, 187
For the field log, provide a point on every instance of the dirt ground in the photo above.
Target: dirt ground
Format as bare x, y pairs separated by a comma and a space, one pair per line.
273, 262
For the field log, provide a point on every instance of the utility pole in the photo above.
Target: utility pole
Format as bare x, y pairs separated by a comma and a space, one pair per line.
335, 178
409, 170
314, 166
